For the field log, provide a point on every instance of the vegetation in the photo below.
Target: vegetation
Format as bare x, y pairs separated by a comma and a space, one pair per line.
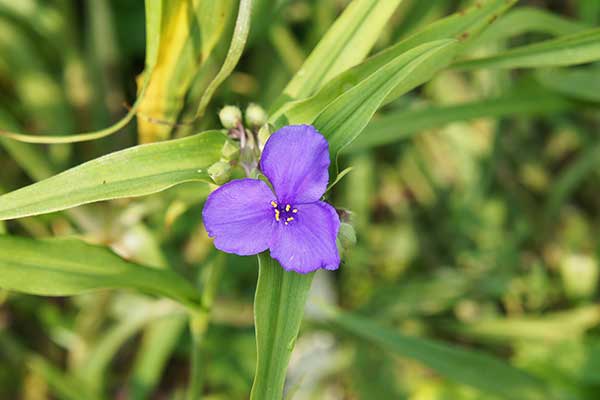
465, 170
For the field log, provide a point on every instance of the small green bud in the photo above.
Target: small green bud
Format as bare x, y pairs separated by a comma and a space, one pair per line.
230, 116
347, 235
230, 150
264, 133
220, 172
255, 115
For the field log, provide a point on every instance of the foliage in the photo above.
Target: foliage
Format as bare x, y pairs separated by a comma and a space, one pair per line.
465, 133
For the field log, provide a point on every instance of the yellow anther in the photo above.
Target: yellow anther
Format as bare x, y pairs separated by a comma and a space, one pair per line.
286, 223
276, 215
295, 210
287, 207
290, 219
273, 203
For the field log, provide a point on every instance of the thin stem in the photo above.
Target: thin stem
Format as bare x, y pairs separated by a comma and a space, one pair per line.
199, 322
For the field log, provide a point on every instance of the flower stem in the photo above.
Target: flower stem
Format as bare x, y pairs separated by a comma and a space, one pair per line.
278, 311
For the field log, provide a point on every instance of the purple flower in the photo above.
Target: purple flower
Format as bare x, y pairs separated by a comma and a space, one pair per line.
245, 216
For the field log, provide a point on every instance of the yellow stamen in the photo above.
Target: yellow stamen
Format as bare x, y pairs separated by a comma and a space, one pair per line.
276, 215
295, 210
274, 204
286, 223
287, 207
290, 219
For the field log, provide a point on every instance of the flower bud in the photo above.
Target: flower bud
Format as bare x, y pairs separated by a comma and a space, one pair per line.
347, 235
230, 116
255, 115
220, 172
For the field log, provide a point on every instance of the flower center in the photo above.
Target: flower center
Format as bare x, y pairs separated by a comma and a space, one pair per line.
284, 213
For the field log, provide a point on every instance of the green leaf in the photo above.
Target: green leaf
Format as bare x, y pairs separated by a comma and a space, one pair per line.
403, 125
67, 267
579, 48
579, 83
345, 118
136, 171
278, 310
468, 367
529, 19
236, 48
347, 42
462, 26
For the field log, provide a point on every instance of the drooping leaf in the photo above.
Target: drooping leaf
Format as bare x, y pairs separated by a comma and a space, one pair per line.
403, 125
529, 19
66, 267
345, 118
578, 48
136, 171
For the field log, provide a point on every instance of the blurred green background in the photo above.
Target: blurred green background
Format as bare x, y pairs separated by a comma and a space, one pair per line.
474, 199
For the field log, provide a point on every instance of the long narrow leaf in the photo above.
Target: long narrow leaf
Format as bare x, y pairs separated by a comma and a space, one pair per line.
66, 267
404, 124
579, 48
346, 43
137, 171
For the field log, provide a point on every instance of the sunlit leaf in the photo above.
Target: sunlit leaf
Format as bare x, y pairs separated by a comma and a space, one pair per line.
137, 171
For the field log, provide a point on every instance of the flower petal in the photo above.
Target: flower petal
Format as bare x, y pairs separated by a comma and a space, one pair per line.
296, 161
308, 242
240, 217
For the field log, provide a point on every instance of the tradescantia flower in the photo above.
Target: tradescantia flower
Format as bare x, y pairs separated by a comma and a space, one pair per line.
246, 217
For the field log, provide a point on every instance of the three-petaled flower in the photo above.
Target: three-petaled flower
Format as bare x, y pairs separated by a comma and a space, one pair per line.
246, 217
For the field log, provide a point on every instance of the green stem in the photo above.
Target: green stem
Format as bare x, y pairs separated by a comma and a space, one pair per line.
199, 322
278, 311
